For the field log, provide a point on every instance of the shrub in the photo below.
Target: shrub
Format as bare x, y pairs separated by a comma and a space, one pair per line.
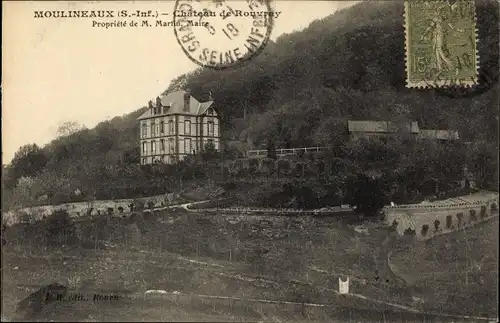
120, 209
472, 215
409, 232
299, 169
449, 221
321, 167
483, 212
436, 225
268, 166
60, 229
494, 207
425, 229
238, 166
283, 166
254, 165
460, 217
110, 211
138, 205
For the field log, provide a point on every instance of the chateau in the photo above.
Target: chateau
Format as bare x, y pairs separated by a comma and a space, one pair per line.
175, 126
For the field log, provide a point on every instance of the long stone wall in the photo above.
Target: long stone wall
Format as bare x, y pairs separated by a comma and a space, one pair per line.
285, 166
427, 221
94, 208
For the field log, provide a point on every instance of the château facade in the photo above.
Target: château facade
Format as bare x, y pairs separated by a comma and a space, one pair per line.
175, 126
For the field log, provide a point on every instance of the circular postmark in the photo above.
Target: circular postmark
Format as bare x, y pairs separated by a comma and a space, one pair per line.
219, 34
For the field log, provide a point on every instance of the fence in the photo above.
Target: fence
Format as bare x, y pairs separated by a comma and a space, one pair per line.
284, 152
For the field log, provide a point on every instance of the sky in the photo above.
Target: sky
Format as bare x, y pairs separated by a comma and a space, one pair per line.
58, 70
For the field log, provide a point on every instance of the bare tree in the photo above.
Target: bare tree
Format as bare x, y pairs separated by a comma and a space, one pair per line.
68, 128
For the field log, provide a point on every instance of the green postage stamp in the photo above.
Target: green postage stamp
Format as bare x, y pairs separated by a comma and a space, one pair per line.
441, 47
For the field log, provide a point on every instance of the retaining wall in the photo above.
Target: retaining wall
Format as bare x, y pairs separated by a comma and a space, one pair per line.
272, 211
76, 209
427, 221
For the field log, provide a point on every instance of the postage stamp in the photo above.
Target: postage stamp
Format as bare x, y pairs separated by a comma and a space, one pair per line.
230, 33
441, 48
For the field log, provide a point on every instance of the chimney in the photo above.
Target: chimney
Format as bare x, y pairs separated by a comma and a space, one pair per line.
187, 97
150, 106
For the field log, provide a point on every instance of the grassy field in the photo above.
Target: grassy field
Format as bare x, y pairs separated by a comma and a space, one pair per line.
458, 271
270, 258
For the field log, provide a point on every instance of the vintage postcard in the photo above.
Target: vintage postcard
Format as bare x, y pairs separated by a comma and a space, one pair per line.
250, 161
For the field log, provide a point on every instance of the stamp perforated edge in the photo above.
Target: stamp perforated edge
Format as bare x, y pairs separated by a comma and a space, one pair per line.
439, 83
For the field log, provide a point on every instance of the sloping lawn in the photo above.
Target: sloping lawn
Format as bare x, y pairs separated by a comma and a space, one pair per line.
457, 270
275, 258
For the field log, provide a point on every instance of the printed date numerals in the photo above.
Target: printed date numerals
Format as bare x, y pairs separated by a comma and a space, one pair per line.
229, 30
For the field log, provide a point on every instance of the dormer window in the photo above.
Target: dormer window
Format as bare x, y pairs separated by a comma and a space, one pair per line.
210, 111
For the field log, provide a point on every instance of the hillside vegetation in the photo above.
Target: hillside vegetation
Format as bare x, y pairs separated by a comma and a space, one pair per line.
299, 91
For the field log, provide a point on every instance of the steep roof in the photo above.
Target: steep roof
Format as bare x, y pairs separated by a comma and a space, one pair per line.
175, 101
380, 126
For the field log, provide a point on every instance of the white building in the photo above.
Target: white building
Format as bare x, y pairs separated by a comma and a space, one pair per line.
175, 126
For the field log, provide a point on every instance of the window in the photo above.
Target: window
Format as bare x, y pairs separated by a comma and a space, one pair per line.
171, 145
210, 128
210, 111
153, 129
162, 145
171, 126
153, 147
187, 127
187, 145
144, 130
162, 126
144, 148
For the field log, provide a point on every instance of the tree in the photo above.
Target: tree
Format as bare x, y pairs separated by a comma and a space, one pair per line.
209, 152
331, 132
271, 149
23, 194
60, 229
132, 156
366, 194
28, 161
68, 128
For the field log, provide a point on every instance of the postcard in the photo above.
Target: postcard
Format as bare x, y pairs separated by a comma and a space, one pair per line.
250, 161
